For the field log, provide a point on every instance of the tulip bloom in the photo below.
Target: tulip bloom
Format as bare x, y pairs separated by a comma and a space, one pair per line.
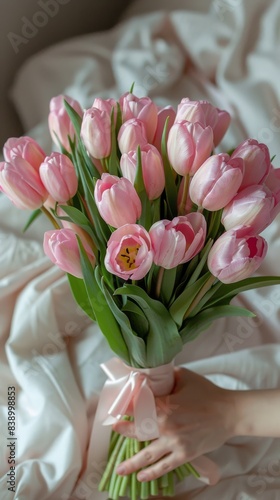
25, 147
22, 184
59, 177
96, 133
142, 108
272, 182
61, 246
106, 105
236, 255
129, 253
117, 200
152, 168
206, 114
60, 124
163, 114
131, 135
256, 162
188, 146
216, 182
178, 241
252, 207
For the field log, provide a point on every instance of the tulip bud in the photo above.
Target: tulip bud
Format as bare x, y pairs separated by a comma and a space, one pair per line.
59, 177
129, 254
22, 184
117, 200
25, 147
60, 124
236, 255
256, 162
96, 133
178, 241
152, 168
163, 114
188, 146
106, 105
142, 108
272, 182
216, 182
61, 246
131, 135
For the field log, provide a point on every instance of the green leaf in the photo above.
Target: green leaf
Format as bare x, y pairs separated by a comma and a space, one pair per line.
167, 285
81, 220
202, 260
146, 216
163, 340
137, 318
113, 161
79, 292
31, 219
194, 326
170, 185
183, 302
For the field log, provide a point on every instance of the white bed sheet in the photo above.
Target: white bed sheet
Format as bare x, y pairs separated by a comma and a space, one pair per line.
226, 51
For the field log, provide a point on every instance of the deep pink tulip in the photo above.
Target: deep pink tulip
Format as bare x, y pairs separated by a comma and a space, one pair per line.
256, 162
96, 133
163, 113
60, 125
25, 147
22, 184
129, 253
142, 108
59, 177
152, 168
188, 146
131, 135
117, 200
236, 255
178, 241
252, 207
206, 114
216, 182
61, 246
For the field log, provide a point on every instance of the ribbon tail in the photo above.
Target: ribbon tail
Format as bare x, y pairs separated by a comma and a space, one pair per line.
145, 414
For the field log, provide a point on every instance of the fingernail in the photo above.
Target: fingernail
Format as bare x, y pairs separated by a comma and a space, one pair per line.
142, 476
120, 469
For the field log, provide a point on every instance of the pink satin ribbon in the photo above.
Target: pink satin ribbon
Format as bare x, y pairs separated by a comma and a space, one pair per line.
125, 386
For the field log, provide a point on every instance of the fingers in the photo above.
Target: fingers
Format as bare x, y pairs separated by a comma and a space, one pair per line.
147, 456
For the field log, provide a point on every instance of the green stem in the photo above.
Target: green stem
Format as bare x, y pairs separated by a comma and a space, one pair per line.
159, 281
199, 296
50, 217
182, 206
111, 463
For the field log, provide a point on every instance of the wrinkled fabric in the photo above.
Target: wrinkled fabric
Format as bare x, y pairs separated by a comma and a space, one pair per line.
224, 51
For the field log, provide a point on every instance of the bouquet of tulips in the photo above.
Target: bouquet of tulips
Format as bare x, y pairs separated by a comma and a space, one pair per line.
157, 234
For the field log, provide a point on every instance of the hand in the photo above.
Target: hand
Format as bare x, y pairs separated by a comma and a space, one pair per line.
199, 421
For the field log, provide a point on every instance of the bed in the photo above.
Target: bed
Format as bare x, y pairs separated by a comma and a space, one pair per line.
226, 51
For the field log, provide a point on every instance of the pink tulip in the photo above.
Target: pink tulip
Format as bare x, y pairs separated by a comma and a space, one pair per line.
163, 114
256, 162
59, 177
236, 255
117, 200
96, 133
142, 108
178, 241
61, 246
131, 135
206, 114
272, 182
129, 254
22, 184
216, 182
106, 105
60, 125
188, 146
25, 147
152, 167
252, 207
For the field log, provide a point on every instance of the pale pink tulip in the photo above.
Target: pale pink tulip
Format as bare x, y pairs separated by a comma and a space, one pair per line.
272, 182
188, 146
117, 200
106, 105
96, 133
129, 254
178, 241
59, 177
152, 168
206, 114
131, 135
60, 125
163, 113
236, 255
25, 147
61, 246
256, 162
22, 184
216, 182
142, 108
252, 207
